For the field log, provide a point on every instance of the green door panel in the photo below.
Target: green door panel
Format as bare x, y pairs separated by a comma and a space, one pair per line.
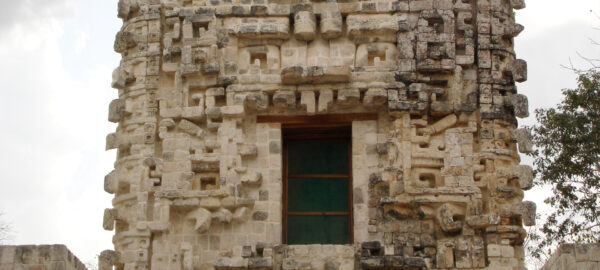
328, 156
317, 230
317, 195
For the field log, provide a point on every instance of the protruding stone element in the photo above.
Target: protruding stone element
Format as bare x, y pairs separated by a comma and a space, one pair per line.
108, 222
107, 259
375, 97
223, 263
325, 100
446, 217
348, 97
518, 70
307, 100
259, 28
252, 179
190, 128
526, 210
260, 263
202, 219
124, 41
441, 125
121, 77
331, 20
110, 182
315, 74
232, 111
525, 175
116, 110
517, 4
305, 25
514, 30
284, 99
369, 28
223, 215
523, 138
241, 214
248, 150
519, 103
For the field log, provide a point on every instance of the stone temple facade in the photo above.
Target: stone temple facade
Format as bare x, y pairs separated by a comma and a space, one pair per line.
236, 117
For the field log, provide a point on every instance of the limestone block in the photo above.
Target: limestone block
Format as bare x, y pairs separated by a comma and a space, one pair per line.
202, 219
121, 77
519, 103
348, 97
318, 53
260, 263
190, 128
233, 111
222, 263
445, 216
124, 41
107, 259
331, 20
441, 125
341, 52
108, 221
253, 179
517, 4
263, 57
307, 100
325, 100
248, 150
213, 112
284, 99
293, 53
256, 101
378, 54
445, 255
525, 175
375, 97
222, 215
259, 28
523, 138
111, 182
116, 110
365, 28
241, 214
315, 74
305, 25
125, 7
526, 210
517, 69
513, 30
117, 140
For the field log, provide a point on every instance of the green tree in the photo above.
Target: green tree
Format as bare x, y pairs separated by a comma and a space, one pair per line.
567, 158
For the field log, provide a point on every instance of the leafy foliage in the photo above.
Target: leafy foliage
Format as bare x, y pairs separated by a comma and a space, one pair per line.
567, 158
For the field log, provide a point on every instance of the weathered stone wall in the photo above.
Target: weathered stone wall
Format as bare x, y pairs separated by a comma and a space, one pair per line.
42, 257
436, 177
574, 257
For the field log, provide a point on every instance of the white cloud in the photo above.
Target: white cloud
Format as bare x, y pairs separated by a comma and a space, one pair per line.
54, 124
24, 12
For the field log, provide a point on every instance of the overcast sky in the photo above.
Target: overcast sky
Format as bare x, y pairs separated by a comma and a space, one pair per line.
56, 67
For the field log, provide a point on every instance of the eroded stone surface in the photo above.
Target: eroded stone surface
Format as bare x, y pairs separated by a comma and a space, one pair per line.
436, 177
39, 257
